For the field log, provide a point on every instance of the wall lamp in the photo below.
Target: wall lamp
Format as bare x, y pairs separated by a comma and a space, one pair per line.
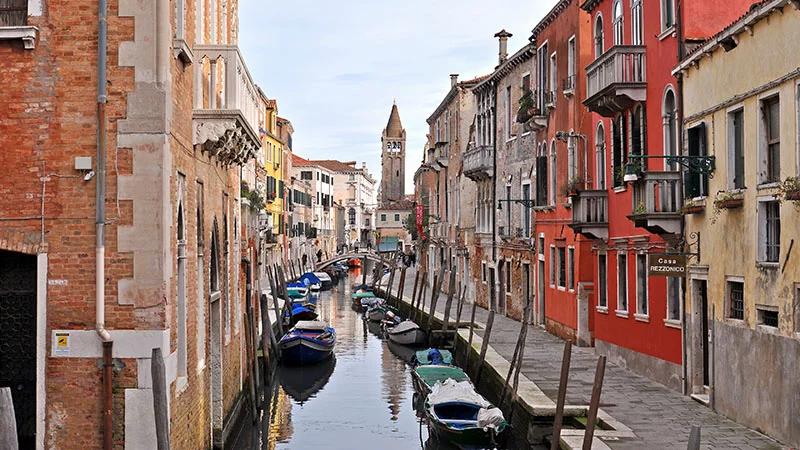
529, 203
703, 165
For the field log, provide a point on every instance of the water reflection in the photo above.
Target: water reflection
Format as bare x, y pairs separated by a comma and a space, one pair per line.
362, 398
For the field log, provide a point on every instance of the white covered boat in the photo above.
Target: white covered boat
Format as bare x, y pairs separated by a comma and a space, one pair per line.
407, 333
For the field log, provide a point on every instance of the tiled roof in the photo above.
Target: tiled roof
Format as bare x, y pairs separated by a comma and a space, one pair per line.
272, 104
336, 166
402, 205
300, 161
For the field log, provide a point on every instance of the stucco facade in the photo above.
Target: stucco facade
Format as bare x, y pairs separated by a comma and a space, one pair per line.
744, 283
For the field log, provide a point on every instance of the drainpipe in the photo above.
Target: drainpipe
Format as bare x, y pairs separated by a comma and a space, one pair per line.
100, 219
494, 174
679, 124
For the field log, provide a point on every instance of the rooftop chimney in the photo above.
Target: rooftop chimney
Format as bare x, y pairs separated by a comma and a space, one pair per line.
364, 165
503, 36
453, 80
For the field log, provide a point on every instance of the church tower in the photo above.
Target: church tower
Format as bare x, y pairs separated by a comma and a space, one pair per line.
393, 159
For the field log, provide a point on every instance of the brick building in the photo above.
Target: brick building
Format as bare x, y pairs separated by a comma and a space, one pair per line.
165, 124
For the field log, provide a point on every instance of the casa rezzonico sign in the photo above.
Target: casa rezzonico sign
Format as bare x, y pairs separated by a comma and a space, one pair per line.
667, 265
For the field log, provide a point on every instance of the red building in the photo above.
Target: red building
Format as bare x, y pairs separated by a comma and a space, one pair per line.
638, 318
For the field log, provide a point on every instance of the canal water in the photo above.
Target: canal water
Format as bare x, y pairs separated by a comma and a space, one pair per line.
362, 398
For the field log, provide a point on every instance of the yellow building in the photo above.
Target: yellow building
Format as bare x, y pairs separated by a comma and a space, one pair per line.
274, 179
741, 95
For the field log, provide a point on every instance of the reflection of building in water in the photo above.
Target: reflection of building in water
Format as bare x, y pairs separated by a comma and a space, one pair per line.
280, 420
394, 381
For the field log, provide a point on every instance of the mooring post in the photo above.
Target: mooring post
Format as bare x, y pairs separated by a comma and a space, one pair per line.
471, 333
594, 404
287, 303
8, 425
460, 306
268, 343
402, 288
390, 287
437, 287
694, 438
514, 360
484, 346
364, 270
423, 288
449, 303
159, 374
250, 368
562, 396
272, 276
413, 293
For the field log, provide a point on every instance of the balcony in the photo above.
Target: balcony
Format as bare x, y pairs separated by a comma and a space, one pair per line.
590, 214
568, 85
477, 163
616, 80
530, 114
550, 99
657, 202
225, 114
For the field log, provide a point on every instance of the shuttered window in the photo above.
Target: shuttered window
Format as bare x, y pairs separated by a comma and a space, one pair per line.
13, 13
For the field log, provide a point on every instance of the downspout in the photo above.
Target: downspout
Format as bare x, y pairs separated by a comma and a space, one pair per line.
679, 124
493, 97
100, 219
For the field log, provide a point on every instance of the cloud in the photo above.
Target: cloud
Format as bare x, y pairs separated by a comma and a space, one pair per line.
336, 67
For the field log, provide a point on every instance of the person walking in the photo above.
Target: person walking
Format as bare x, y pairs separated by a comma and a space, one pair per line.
319, 255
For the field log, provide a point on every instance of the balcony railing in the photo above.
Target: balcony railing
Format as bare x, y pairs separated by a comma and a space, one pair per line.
616, 80
225, 114
568, 85
590, 214
530, 113
550, 99
477, 163
657, 202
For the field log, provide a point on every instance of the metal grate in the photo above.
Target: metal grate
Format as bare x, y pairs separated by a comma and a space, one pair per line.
769, 318
737, 299
773, 242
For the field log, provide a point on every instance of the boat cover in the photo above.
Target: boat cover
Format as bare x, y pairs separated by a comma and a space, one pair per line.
403, 327
426, 356
491, 417
433, 374
296, 285
311, 325
456, 391
322, 276
309, 278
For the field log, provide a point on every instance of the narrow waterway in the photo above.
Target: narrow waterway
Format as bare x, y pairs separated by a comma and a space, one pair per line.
362, 398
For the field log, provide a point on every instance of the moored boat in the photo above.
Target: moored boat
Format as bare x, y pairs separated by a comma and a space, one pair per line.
296, 290
354, 262
311, 280
379, 312
302, 311
407, 333
458, 414
307, 342
425, 377
326, 281
433, 356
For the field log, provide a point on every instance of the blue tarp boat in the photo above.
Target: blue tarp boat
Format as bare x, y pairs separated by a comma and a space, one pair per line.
312, 281
307, 343
302, 312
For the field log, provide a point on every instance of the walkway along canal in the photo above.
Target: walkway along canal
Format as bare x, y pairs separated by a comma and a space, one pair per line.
362, 398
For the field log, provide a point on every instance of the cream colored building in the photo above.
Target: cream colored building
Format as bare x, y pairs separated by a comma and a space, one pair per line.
741, 94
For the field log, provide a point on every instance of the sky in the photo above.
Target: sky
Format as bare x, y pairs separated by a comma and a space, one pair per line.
335, 67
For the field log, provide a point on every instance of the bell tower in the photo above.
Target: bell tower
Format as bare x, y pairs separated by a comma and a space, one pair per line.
393, 159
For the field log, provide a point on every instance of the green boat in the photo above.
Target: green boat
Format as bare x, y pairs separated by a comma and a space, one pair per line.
363, 294
296, 293
456, 413
425, 377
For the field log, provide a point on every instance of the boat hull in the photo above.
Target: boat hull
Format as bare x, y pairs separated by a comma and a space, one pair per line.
410, 337
302, 351
464, 432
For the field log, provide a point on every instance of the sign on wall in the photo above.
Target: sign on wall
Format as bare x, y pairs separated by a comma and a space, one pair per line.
667, 265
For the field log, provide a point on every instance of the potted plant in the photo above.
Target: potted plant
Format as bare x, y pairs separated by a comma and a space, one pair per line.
527, 106
640, 209
790, 189
573, 186
692, 207
728, 200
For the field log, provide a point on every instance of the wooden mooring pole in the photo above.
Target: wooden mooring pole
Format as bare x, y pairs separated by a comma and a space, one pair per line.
437, 287
423, 287
562, 396
268, 343
484, 346
471, 333
458, 316
159, 374
449, 303
594, 404
272, 276
402, 288
694, 438
8, 425
413, 293
287, 303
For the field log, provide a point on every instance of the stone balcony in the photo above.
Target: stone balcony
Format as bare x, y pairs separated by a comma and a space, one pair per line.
478, 163
657, 202
616, 80
590, 214
225, 117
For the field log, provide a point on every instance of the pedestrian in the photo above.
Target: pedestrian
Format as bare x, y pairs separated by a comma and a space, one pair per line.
319, 255
305, 260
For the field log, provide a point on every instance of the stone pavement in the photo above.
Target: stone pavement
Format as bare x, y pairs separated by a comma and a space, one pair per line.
659, 417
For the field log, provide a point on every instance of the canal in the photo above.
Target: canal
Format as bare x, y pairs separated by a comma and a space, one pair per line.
362, 398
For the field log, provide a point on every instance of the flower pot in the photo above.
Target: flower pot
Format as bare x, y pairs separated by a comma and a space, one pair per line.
731, 203
792, 195
572, 193
694, 209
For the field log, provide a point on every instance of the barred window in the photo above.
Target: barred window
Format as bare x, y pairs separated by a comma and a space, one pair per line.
736, 296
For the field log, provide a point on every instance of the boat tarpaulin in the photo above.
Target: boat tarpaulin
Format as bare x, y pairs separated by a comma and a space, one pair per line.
431, 374
456, 391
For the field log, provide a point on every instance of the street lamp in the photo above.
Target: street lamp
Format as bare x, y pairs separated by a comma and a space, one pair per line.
565, 137
699, 164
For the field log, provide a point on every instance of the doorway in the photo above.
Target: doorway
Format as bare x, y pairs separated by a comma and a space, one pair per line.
700, 330
492, 291
702, 290
18, 338
216, 372
541, 282
526, 292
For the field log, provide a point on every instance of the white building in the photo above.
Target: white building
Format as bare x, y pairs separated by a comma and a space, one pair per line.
322, 223
354, 188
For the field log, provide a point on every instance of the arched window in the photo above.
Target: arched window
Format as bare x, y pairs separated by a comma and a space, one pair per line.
668, 113
214, 269
181, 294
637, 132
572, 157
600, 149
553, 172
637, 34
599, 36
541, 176
618, 23
351, 215
619, 138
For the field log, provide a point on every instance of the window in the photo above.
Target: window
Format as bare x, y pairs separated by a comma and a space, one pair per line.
619, 138
509, 231
696, 183
767, 316
736, 149
552, 266
600, 158
572, 158
508, 113
637, 133
352, 177
562, 267
622, 282
553, 172
507, 267
571, 268
541, 247
673, 298
641, 285
541, 176
351, 213
771, 141
599, 36
553, 79
668, 113
366, 221
602, 278
526, 212
618, 24
383, 217
667, 14
483, 272
180, 12
542, 74
306, 175
570, 82
397, 217
526, 82
736, 299
636, 22
769, 231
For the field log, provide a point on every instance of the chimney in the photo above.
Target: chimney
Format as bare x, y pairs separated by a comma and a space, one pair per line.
364, 165
453, 80
503, 36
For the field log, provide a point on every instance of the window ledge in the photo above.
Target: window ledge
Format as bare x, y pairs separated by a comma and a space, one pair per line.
672, 323
182, 52
525, 134
666, 33
181, 383
768, 329
735, 322
569, 92
544, 208
511, 139
562, 289
602, 309
26, 33
768, 265
619, 189
768, 185
642, 317
623, 314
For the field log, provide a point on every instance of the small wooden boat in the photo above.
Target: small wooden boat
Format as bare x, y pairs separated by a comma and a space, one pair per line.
307, 342
425, 377
379, 312
303, 382
326, 281
362, 294
433, 356
354, 262
311, 280
457, 413
407, 333
363, 304
302, 311
296, 290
